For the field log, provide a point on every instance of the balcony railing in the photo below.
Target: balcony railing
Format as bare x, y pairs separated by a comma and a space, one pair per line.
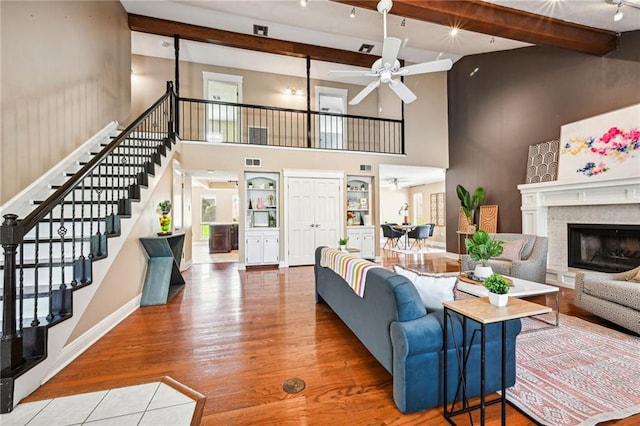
213, 121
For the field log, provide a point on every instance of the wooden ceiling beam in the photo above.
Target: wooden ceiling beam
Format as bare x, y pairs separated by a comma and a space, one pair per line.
488, 18
167, 28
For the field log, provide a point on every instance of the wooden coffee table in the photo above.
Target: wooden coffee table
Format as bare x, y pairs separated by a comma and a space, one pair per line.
521, 288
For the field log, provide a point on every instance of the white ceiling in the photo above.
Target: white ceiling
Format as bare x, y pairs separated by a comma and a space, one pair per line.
326, 23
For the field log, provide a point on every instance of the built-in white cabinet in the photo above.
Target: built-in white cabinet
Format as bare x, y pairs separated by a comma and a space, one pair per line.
360, 232
363, 239
358, 201
262, 233
262, 247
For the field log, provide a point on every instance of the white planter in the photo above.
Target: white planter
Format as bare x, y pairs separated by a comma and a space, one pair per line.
483, 271
343, 247
498, 299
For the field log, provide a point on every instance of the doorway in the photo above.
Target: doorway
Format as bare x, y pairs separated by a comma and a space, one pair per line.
215, 216
331, 128
223, 122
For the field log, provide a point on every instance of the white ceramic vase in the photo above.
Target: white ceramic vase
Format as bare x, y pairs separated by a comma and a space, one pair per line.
343, 247
498, 300
483, 271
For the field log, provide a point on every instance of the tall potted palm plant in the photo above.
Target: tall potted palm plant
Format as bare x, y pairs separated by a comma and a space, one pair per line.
470, 202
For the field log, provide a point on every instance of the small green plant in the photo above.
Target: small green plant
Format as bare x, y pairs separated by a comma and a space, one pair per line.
497, 284
343, 241
164, 207
481, 247
470, 203
403, 208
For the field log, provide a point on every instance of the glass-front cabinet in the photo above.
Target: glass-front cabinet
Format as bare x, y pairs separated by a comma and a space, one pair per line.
262, 226
360, 230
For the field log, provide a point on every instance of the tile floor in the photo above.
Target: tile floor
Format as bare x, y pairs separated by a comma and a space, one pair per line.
154, 404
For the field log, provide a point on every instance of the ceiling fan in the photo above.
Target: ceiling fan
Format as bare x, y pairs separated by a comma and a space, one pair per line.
388, 66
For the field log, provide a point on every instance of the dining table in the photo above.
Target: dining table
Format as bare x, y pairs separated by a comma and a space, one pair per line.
405, 228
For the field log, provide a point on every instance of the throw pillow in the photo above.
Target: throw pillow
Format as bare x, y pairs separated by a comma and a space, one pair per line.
511, 250
432, 288
636, 278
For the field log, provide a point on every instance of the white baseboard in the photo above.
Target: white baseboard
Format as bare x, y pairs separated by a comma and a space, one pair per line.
82, 343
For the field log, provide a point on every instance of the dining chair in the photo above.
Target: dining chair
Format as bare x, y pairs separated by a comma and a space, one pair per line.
420, 234
393, 235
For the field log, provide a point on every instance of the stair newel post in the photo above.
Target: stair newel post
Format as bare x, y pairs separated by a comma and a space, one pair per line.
173, 115
11, 341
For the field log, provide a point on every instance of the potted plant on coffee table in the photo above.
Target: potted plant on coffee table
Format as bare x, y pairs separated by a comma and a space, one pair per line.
498, 288
481, 247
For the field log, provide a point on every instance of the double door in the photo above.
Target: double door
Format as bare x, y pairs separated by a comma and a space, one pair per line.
314, 213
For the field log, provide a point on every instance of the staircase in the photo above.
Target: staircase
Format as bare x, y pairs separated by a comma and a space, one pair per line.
53, 251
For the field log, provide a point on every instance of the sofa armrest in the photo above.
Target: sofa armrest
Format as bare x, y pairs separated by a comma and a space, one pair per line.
421, 335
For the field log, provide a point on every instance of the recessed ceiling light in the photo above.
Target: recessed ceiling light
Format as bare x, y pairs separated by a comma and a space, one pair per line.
453, 32
353, 13
304, 3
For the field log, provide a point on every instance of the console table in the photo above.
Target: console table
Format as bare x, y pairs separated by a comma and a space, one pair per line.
481, 311
163, 278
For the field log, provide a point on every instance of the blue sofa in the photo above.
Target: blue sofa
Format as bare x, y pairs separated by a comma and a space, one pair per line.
393, 324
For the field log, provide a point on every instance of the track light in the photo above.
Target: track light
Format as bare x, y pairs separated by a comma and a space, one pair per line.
618, 15
353, 13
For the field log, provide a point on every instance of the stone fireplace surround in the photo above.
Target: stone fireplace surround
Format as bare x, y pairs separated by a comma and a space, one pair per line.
548, 207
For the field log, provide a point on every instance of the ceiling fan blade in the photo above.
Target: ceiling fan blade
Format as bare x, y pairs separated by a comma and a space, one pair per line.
425, 67
390, 50
350, 73
402, 91
360, 96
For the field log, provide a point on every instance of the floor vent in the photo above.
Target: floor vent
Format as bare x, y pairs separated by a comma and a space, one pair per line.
253, 162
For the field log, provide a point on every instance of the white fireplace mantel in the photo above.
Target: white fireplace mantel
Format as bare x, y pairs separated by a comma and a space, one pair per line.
538, 197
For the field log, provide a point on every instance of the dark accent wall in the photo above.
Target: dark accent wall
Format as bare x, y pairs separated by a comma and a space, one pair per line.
518, 98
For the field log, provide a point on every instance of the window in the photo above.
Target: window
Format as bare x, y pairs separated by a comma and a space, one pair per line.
207, 214
418, 210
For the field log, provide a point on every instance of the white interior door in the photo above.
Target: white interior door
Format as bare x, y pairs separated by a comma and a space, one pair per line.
328, 211
223, 121
301, 221
314, 211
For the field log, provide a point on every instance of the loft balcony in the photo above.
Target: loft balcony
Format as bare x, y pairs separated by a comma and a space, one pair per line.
235, 123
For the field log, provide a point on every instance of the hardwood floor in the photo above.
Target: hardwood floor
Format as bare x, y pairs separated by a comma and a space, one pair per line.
237, 336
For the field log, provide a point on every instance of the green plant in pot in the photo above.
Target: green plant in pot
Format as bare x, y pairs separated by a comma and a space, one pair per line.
498, 288
481, 247
343, 243
470, 202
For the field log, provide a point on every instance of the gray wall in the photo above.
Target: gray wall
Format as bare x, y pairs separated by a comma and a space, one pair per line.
519, 98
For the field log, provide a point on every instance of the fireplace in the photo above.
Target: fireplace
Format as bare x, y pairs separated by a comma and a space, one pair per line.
602, 247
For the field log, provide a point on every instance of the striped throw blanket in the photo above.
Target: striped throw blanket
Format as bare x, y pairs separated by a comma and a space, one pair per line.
351, 268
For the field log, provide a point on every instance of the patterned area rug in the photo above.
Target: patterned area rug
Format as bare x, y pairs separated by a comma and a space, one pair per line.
421, 250
576, 374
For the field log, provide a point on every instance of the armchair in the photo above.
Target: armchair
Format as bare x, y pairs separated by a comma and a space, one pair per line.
530, 264
614, 297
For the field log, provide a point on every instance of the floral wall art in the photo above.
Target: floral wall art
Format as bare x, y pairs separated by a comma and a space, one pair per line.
606, 146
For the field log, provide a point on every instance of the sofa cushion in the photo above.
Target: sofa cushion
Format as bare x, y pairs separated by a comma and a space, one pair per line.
636, 278
623, 293
434, 289
511, 250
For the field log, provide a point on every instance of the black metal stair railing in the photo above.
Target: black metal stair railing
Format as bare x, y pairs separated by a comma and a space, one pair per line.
216, 121
49, 253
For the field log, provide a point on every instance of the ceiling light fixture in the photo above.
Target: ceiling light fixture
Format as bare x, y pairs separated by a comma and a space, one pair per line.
304, 3
618, 15
353, 13
454, 32
404, 22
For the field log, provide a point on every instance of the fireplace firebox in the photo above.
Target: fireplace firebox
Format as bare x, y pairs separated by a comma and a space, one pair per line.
603, 247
